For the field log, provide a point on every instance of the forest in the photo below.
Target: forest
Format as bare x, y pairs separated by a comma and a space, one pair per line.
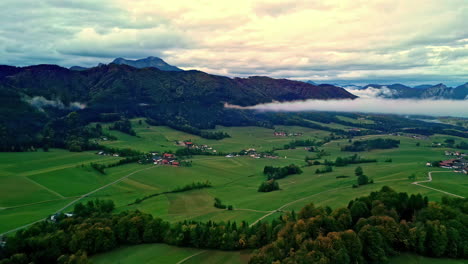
370, 229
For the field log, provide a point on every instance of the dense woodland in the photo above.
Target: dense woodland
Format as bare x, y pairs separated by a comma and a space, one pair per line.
369, 230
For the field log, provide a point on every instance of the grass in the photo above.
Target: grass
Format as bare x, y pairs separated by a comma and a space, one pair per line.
164, 254
415, 259
35, 184
161, 138
150, 253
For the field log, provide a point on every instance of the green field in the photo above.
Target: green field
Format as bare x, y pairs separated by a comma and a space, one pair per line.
414, 259
164, 254
34, 185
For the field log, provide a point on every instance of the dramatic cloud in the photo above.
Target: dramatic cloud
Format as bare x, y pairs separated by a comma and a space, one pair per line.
455, 108
387, 41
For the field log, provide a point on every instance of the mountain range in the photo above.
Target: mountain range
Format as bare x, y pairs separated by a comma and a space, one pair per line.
149, 62
400, 91
439, 91
40, 98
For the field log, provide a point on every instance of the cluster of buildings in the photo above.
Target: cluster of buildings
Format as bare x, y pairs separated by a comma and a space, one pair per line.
107, 154
251, 152
455, 153
458, 165
166, 159
413, 136
286, 134
189, 144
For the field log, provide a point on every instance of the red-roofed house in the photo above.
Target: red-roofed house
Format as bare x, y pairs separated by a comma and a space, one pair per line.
168, 156
447, 163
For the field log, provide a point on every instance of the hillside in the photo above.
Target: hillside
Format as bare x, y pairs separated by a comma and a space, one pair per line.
190, 99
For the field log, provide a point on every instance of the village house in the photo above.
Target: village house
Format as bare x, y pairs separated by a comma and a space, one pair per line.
53, 217
166, 159
456, 164
280, 134
284, 134
455, 153
447, 164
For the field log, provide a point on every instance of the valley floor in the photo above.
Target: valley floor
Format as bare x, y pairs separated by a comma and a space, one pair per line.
35, 185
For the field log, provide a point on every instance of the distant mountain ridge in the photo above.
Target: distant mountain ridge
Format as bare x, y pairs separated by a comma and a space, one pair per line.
149, 62
401, 91
438, 91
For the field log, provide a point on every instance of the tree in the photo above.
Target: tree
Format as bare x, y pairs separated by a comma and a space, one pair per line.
362, 180
268, 186
358, 171
372, 244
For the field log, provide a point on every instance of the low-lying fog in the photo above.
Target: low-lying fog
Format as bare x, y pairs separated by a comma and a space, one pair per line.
456, 108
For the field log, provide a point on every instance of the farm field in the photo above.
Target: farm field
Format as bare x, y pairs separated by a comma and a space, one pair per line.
162, 138
164, 254
34, 185
414, 259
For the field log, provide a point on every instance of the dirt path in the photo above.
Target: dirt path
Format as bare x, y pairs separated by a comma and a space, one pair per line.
45, 188
295, 201
41, 202
307, 197
429, 176
189, 257
78, 199
253, 210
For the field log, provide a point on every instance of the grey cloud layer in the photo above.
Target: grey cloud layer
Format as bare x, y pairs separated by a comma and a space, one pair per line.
372, 105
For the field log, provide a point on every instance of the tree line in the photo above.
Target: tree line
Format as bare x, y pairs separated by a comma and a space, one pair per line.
366, 145
124, 126
370, 229
185, 127
188, 187
281, 172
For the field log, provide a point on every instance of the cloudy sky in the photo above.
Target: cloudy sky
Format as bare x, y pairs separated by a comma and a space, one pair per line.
418, 41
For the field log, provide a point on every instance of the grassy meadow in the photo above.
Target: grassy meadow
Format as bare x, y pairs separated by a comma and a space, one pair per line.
164, 254
34, 185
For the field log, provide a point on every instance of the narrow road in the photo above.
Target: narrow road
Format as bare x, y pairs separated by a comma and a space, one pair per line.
78, 199
429, 175
189, 257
